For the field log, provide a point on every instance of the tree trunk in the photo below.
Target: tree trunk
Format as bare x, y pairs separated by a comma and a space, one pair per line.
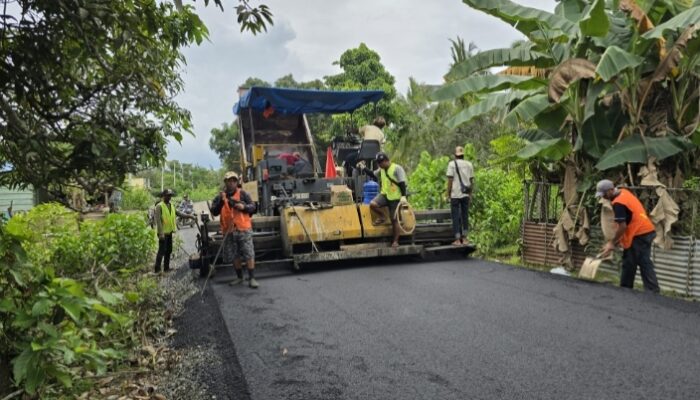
5, 368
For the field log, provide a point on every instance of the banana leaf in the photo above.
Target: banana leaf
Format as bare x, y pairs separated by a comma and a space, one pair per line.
619, 34
614, 61
519, 56
570, 9
488, 103
534, 135
527, 109
547, 149
567, 73
552, 120
595, 21
485, 83
633, 150
680, 21
524, 19
601, 130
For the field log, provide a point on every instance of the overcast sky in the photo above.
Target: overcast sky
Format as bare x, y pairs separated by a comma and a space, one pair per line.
411, 36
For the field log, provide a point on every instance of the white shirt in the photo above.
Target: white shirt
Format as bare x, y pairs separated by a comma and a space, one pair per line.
371, 132
466, 171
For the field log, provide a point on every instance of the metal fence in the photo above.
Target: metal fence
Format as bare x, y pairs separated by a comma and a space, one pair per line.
677, 269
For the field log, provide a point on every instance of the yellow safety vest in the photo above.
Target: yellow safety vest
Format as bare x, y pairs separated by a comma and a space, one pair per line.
167, 217
390, 189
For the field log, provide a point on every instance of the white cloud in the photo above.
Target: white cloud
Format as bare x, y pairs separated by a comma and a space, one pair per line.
411, 36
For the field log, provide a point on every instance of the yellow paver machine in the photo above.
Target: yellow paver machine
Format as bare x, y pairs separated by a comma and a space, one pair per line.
303, 216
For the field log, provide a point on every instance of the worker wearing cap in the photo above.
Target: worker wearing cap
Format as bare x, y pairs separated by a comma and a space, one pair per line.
460, 180
635, 233
236, 207
392, 181
164, 216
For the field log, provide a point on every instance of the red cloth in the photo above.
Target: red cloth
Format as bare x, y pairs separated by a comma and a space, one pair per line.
330, 164
289, 158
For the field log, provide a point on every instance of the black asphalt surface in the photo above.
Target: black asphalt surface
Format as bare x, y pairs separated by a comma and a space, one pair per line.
463, 329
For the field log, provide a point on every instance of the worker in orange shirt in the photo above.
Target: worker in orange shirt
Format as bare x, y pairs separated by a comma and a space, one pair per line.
635, 233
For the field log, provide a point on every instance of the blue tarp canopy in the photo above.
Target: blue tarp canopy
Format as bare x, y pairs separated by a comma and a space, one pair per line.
298, 101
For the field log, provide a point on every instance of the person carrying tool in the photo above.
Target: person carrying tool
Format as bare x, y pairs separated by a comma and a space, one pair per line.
392, 182
164, 218
635, 233
236, 207
460, 195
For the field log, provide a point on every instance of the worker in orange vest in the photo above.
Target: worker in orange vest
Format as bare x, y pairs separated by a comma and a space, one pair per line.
236, 207
635, 233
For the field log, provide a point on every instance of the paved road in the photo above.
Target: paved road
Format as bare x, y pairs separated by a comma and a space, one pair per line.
458, 330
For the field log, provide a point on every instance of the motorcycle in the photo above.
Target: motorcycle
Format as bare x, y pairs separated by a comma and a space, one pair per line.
185, 208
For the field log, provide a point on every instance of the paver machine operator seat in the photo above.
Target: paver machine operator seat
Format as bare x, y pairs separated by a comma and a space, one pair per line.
368, 150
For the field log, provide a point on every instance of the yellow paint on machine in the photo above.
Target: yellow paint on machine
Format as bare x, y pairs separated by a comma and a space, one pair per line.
334, 223
375, 231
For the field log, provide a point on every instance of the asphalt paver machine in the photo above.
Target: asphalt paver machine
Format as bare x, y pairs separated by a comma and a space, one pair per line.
304, 217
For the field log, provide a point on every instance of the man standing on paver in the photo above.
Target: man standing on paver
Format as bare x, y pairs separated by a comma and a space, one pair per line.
459, 192
236, 207
635, 233
392, 182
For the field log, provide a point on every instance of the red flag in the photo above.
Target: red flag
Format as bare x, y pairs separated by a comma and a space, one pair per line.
330, 164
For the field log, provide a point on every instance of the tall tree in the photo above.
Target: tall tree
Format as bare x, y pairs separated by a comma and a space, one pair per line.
87, 88
254, 19
361, 70
226, 143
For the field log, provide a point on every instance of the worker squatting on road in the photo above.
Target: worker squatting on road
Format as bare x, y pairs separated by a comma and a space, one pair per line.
236, 207
392, 181
460, 195
164, 216
635, 233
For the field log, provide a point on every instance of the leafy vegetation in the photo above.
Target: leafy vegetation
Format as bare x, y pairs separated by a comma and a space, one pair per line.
105, 113
74, 300
621, 79
137, 199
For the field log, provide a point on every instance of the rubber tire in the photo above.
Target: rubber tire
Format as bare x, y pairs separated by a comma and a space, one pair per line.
204, 269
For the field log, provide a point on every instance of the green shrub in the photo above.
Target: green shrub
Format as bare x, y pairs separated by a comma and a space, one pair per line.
52, 237
496, 210
137, 199
428, 182
73, 300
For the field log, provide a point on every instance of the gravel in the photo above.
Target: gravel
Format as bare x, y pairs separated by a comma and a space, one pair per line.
208, 366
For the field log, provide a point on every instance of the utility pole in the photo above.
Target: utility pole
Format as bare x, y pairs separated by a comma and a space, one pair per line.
162, 173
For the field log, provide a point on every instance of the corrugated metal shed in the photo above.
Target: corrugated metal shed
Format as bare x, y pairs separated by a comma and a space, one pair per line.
677, 269
21, 200
537, 246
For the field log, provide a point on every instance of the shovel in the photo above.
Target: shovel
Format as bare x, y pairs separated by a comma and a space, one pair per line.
590, 267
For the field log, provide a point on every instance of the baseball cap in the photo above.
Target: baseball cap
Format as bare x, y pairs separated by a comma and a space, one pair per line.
381, 156
459, 151
603, 186
230, 175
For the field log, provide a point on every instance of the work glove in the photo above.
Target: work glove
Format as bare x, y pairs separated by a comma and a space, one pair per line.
403, 200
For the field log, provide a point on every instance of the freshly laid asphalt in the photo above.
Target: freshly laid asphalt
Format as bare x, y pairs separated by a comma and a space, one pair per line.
465, 329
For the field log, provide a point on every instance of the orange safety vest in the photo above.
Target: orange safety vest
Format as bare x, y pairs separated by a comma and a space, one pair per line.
234, 220
640, 224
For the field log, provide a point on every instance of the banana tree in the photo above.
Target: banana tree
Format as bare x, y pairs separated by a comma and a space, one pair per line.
602, 83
